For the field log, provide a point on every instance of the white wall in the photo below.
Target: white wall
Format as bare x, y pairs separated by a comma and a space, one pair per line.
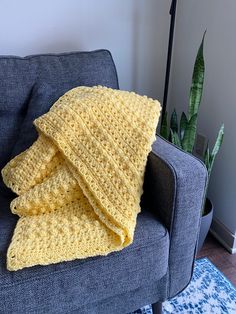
135, 31
219, 99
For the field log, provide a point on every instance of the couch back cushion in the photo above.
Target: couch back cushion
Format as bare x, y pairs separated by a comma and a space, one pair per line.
30, 85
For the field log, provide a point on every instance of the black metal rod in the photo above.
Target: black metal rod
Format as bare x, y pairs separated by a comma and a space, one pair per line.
169, 55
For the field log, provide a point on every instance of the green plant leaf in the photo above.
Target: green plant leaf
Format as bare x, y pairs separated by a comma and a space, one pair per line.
190, 134
216, 148
175, 138
197, 82
164, 127
174, 122
207, 157
183, 124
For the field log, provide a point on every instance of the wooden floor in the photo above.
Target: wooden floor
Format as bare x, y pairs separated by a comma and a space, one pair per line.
220, 257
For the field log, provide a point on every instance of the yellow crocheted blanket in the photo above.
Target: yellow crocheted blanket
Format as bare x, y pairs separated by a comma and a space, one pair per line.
79, 185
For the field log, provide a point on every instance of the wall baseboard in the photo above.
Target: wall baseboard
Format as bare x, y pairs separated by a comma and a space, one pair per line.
223, 235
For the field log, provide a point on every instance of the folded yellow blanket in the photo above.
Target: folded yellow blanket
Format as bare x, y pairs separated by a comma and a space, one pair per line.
79, 185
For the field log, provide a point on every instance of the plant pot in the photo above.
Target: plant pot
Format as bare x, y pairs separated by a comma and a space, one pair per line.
206, 220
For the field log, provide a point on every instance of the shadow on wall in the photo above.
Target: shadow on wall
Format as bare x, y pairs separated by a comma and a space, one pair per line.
61, 46
149, 46
136, 43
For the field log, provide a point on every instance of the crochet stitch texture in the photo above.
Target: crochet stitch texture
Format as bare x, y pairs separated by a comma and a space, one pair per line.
79, 185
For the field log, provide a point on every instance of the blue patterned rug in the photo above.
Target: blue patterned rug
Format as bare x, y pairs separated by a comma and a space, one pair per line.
208, 292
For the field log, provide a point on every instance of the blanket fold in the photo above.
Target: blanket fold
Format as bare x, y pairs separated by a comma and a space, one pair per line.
79, 185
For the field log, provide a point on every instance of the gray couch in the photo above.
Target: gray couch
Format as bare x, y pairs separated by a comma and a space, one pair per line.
158, 264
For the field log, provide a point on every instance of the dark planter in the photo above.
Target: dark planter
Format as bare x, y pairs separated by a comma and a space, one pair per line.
206, 220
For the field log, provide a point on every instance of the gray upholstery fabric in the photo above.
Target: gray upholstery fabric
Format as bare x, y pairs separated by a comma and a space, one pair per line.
153, 268
21, 78
42, 97
64, 287
128, 301
174, 188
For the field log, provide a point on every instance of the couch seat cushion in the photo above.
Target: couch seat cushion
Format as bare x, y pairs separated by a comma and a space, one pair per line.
64, 287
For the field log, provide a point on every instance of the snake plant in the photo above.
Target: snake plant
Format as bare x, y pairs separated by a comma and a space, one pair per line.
183, 133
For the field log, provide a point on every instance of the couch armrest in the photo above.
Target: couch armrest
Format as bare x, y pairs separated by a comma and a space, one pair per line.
174, 189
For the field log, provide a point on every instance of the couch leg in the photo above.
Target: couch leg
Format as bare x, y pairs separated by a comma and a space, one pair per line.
157, 308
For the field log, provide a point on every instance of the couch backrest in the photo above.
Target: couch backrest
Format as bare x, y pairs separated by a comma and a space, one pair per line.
19, 75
